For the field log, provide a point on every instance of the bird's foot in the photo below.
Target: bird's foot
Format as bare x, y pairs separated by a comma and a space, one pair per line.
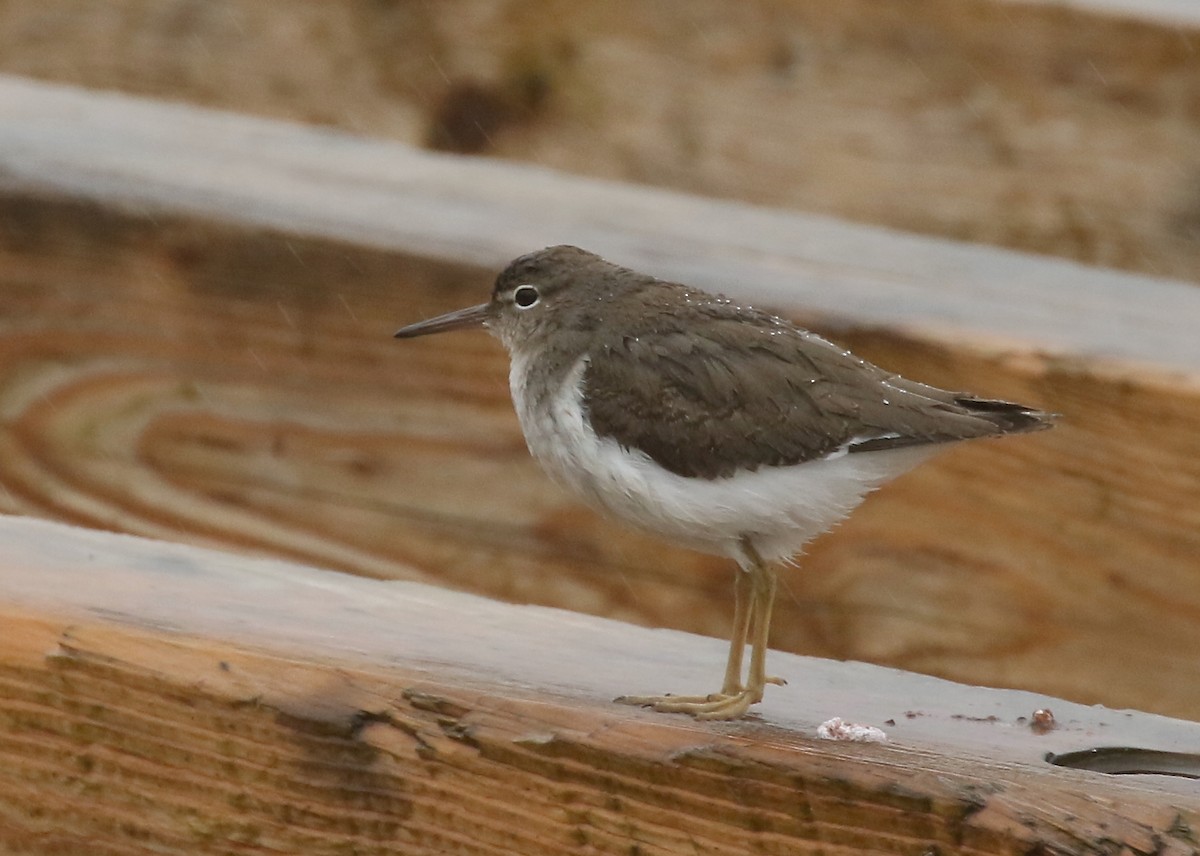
715, 706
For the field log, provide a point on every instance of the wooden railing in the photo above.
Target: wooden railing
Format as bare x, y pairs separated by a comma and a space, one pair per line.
162, 698
195, 322
195, 319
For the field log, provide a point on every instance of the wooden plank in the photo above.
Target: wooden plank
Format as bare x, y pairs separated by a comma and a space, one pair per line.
1066, 128
1178, 13
152, 158
163, 698
195, 327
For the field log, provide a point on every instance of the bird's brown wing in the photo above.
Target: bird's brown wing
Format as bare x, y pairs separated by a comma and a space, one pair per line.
729, 395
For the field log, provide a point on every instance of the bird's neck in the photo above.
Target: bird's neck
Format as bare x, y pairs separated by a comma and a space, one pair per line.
538, 371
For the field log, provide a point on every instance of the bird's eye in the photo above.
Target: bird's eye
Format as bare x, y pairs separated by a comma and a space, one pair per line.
525, 296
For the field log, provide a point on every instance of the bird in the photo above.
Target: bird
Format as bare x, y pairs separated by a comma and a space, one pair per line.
717, 426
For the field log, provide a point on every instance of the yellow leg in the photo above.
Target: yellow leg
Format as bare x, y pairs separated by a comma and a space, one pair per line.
754, 596
764, 601
742, 588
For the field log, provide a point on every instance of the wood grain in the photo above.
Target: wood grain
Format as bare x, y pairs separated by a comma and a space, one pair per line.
195, 324
134, 409
159, 698
1062, 128
1091, 537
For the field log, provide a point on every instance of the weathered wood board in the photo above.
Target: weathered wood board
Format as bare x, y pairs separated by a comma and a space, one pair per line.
1064, 128
195, 320
160, 698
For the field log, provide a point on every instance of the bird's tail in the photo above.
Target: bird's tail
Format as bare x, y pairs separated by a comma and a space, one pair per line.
1009, 418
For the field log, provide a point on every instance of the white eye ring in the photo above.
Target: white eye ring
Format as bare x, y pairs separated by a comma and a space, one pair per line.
525, 296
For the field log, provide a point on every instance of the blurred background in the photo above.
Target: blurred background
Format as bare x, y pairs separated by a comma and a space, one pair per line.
187, 369
1060, 128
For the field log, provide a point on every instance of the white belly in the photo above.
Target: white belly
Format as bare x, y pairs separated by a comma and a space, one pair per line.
778, 508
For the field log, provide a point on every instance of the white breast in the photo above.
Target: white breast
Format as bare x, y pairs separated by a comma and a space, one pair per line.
778, 508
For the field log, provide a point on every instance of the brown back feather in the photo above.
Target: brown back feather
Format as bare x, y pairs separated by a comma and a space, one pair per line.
716, 388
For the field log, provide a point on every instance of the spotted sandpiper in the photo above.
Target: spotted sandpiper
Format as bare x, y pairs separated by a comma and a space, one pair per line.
714, 425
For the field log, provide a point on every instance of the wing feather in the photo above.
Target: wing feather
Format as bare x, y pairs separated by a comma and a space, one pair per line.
705, 400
